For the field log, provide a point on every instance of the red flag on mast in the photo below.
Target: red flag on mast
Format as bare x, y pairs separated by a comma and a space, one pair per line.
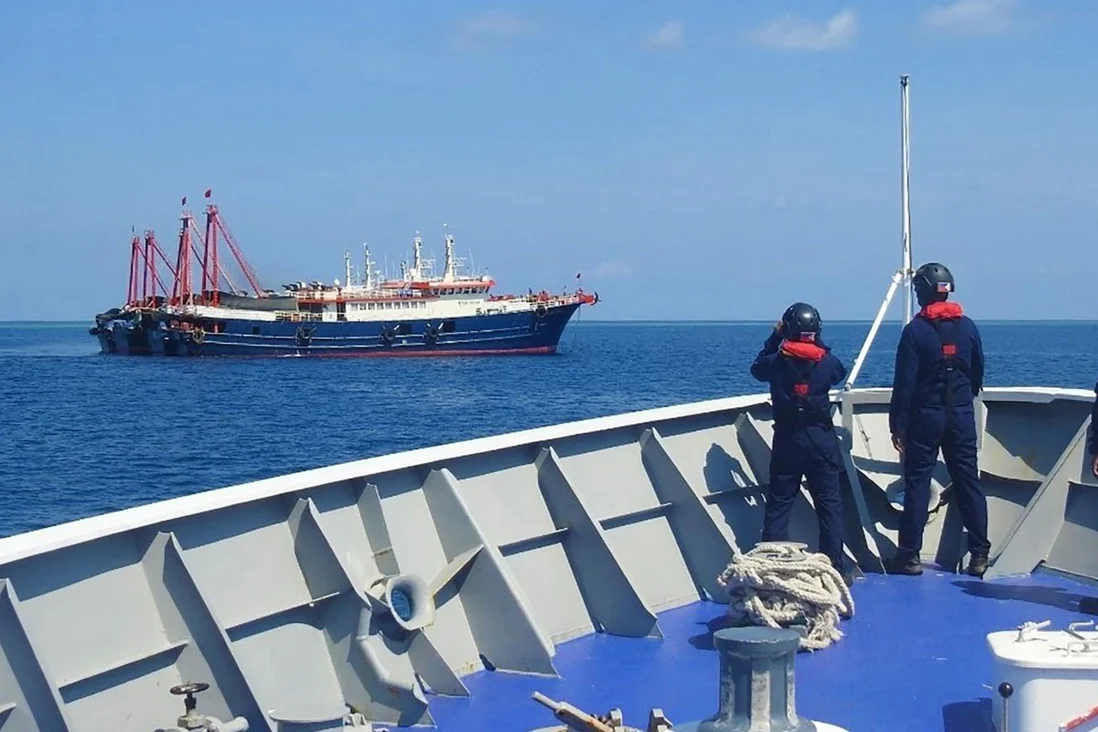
209, 192
184, 201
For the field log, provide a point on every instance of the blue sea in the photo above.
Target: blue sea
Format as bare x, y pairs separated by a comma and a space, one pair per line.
84, 433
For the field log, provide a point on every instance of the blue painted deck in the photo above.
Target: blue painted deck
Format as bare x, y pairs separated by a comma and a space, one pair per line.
914, 659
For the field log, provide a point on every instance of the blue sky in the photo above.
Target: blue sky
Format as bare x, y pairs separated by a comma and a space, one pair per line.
709, 160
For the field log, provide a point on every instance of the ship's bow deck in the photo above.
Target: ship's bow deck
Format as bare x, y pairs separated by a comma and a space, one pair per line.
914, 659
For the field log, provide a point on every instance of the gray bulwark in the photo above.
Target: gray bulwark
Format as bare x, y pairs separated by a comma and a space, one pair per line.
28, 697
1041, 526
610, 599
379, 583
705, 549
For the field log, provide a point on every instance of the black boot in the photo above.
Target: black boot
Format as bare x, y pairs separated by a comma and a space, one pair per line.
977, 563
900, 564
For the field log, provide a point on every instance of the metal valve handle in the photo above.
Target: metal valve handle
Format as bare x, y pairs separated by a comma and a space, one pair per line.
188, 688
1005, 691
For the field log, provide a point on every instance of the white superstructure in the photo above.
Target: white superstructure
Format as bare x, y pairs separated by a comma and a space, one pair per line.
416, 295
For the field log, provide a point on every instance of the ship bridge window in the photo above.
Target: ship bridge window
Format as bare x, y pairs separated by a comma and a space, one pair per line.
371, 306
404, 329
255, 330
448, 326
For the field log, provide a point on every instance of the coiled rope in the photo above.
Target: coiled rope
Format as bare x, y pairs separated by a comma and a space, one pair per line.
779, 584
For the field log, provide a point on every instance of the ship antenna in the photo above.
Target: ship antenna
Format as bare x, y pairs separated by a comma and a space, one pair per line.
903, 275
417, 260
368, 267
905, 193
449, 274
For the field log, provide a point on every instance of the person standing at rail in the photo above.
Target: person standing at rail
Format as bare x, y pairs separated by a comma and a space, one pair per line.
801, 371
939, 372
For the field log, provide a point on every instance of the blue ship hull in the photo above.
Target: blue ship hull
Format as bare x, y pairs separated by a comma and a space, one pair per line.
504, 333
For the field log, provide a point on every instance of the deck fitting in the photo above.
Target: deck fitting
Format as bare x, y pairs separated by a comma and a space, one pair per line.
759, 660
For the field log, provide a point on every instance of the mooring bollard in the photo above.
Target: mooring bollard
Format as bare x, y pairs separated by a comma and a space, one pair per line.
756, 692
757, 683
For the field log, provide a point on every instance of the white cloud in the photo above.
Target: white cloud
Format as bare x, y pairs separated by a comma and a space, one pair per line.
794, 33
668, 37
613, 268
494, 25
777, 203
973, 17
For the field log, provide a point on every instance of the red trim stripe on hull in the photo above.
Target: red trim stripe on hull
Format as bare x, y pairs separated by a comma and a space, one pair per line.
409, 353
539, 350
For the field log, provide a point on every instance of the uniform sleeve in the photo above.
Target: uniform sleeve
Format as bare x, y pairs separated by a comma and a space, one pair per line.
764, 362
903, 382
1094, 424
838, 373
976, 369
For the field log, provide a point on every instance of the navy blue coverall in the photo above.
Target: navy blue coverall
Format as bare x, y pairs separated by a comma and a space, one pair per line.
932, 409
805, 443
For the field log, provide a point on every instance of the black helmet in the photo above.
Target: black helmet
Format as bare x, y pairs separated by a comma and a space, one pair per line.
932, 282
801, 322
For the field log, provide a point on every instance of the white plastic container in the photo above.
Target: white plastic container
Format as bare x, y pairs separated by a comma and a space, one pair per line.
1054, 676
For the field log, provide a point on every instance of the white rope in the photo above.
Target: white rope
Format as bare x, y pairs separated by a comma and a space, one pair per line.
778, 584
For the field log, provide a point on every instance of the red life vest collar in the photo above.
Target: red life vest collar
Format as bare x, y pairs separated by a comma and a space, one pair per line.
943, 310
800, 349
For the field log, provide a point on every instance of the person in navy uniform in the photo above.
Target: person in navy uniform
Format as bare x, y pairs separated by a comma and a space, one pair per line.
801, 371
939, 372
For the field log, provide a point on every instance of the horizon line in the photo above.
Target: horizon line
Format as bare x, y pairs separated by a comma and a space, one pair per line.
700, 321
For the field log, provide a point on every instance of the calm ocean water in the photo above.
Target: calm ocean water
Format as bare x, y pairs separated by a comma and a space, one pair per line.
84, 434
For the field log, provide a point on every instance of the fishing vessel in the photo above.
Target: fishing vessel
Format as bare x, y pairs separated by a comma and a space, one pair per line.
417, 313
576, 567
